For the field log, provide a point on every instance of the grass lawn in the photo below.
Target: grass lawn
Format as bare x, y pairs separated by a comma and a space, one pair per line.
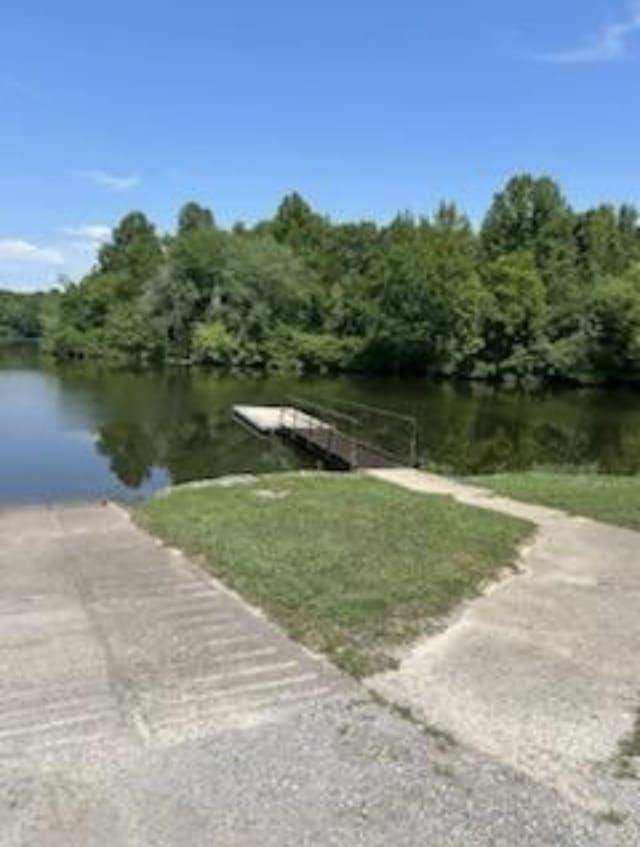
350, 566
613, 499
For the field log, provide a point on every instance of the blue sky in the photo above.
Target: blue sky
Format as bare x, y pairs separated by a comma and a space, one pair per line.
366, 108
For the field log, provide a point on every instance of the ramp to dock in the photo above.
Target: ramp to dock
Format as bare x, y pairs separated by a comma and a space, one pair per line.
325, 441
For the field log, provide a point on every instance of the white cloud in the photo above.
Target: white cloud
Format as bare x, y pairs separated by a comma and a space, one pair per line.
112, 182
88, 247
25, 266
18, 252
30, 266
610, 44
94, 233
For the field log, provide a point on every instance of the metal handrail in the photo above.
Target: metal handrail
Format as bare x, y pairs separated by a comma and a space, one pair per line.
324, 409
409, 419
378, 411
330, 430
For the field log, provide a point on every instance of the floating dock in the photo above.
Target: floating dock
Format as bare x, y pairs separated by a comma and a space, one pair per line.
270, 420
334, 448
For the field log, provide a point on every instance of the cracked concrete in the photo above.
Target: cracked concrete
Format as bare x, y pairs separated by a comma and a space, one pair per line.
543, 671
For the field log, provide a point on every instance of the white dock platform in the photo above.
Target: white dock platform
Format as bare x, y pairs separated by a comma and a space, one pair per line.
271, 419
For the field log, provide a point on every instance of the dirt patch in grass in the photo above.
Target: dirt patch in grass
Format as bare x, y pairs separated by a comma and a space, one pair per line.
629, 752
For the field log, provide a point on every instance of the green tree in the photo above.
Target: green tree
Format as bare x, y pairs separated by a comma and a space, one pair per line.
196, 257
537, 290
193, 217
614, 328
607, 242
22, 316
263, 285
531, 215
428, 295
172, 304
213, 344
514, 315
300, 228
134, 251
349, 250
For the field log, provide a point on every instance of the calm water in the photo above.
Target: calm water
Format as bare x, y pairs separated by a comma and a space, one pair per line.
82, 431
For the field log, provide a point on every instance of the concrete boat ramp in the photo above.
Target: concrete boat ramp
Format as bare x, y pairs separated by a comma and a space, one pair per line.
143, 704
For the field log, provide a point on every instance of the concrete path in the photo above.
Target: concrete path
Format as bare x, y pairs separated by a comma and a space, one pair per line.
543, 672
142, 704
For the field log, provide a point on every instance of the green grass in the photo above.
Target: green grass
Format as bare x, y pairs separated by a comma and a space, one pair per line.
348, 565
612, 499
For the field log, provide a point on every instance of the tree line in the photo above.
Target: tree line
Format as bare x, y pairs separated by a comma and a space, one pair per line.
21, 316
538, 290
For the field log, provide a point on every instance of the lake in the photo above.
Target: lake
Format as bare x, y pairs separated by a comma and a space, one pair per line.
82, 431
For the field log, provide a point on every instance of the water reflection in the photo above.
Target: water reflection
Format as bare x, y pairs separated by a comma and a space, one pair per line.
87, 431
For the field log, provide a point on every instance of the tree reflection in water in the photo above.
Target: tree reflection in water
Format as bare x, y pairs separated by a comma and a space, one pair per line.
151, 427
